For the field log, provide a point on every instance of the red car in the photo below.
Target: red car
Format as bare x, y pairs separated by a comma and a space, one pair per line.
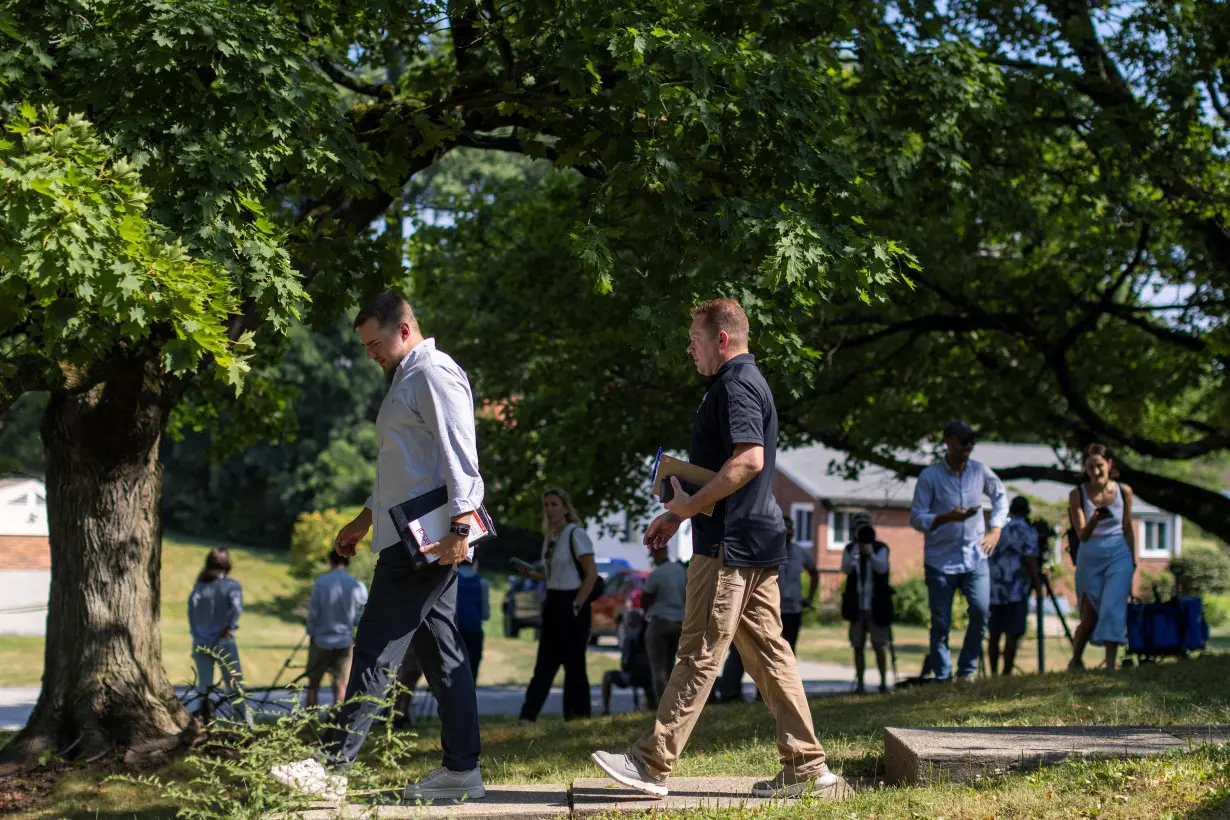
623, 592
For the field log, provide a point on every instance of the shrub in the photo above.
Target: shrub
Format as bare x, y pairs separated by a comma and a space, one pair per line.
1217, 610
311, 541
1151, 580
910, 602
1205, 570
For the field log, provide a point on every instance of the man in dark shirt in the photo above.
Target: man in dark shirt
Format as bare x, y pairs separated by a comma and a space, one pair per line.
732, 578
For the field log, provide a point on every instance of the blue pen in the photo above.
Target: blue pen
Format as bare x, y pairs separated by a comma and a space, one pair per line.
653, 477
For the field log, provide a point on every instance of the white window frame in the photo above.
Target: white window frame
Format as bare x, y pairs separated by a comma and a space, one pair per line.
1165, 551
804, 536
837, 544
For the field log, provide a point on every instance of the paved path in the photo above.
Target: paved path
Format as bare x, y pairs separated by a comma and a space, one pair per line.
584, 797
16, 703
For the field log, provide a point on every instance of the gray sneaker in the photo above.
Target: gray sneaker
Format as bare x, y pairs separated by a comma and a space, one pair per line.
793, 785
444, 784
626, 769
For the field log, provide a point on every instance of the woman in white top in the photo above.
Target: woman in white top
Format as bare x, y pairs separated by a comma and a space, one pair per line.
570, 573
1101, 511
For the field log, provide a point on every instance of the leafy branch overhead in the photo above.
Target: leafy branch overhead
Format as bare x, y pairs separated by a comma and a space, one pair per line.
85, 274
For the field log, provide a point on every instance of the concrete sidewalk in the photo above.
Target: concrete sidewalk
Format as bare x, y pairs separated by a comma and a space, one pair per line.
585, 797
16, 703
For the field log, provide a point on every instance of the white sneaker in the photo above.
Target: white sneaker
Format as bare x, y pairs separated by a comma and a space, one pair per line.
311, 778
444, 784
628, 771
791, 785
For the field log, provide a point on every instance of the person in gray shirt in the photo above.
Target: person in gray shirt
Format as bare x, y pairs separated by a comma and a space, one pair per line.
214, 607
336, 605
662, 601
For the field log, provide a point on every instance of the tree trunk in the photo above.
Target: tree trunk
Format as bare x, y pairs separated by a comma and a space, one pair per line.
105, 692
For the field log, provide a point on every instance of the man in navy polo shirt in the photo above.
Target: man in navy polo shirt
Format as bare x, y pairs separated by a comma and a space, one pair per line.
732, 593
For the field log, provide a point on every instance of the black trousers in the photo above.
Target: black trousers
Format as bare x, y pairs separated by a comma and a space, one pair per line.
409, 608
730, 683
563, 641
473, 640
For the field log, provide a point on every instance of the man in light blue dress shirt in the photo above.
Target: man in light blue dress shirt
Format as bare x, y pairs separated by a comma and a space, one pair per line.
947, 509
334, 610
426, 440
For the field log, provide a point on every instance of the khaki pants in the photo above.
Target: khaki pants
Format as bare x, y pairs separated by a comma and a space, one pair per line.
724, 604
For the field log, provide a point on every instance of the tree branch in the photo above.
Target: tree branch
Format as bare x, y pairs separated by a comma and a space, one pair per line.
356, 84
515, 145
501, 40
464, 33
1101, 428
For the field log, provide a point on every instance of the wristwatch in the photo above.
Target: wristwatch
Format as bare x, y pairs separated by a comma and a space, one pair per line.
459, 528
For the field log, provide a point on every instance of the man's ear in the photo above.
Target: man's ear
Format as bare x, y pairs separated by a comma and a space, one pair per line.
723, 340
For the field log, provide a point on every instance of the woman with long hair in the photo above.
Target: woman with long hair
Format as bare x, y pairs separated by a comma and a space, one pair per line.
1101, 512
214, 607
570, 573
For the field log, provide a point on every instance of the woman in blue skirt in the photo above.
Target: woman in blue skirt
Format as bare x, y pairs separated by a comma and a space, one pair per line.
1101, 511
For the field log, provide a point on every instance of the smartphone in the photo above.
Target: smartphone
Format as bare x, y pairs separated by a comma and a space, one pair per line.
1105, 512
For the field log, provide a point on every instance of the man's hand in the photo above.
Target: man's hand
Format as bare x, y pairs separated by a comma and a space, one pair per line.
954, 515
451, 549
681, 504
989, 540
661, 530
865, 549
349, 536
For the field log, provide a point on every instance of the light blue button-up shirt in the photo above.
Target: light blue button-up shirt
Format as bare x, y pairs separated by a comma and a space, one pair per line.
337, 604
953, 548
426, 437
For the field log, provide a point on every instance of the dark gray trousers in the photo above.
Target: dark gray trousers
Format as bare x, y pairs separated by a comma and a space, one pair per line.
409, 608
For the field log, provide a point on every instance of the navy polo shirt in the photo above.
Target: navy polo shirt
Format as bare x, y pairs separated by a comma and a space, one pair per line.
738, 409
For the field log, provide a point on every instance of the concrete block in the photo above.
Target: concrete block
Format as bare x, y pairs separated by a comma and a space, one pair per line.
920, 756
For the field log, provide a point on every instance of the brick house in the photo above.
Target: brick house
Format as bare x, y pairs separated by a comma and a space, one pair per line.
821, 503
25, 556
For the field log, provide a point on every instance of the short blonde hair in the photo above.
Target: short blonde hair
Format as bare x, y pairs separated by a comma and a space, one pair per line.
717, 315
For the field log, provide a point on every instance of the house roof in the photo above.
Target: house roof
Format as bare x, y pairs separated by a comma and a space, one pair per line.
809, 468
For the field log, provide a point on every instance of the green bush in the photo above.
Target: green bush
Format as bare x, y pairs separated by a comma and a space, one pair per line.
910, 602
1217, 610
1205, 570
311, 541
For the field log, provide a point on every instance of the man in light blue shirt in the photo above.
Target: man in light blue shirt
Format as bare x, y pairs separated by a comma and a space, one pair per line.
426, 441
947, 509
334, 610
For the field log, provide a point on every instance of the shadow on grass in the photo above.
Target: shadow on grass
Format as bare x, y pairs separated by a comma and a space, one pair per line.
291, 609
730, 738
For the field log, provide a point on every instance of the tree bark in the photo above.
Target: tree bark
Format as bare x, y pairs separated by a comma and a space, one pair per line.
104, 691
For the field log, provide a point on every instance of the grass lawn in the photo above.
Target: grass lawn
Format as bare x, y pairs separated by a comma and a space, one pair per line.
831, 644
738, 739
272, 625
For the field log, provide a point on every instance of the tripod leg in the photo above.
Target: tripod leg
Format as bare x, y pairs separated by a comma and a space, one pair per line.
1063, 621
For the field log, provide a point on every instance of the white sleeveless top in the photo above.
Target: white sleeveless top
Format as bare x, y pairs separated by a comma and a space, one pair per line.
1108, 526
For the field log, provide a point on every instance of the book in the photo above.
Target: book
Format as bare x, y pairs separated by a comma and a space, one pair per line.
425, 519
691, 477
